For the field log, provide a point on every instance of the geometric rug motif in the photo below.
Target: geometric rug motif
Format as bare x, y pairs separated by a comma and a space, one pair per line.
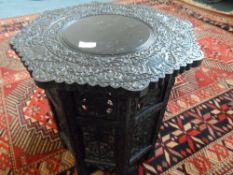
197, 132
214, 76
202, 134
196, 135
29, 142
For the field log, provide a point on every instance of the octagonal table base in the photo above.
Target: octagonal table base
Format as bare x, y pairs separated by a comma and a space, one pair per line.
105, 127
108, 128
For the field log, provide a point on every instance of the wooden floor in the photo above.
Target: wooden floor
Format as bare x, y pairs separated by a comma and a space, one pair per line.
225, 5
11, 8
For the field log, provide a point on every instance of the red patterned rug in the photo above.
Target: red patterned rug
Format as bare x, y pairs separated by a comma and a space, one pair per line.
29, 143
196, 136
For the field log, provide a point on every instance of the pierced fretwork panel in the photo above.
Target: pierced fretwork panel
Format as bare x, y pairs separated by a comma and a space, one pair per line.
142, 135
99, 143
98, 105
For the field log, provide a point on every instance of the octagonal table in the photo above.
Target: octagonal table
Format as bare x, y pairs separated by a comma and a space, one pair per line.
107, 70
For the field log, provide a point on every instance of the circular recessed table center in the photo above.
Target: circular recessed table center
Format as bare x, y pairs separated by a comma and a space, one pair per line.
107, 34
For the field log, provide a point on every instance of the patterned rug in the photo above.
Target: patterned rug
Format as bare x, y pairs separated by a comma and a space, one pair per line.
29, 143
196, 136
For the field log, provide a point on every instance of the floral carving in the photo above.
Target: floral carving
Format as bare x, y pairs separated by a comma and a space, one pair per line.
40, 46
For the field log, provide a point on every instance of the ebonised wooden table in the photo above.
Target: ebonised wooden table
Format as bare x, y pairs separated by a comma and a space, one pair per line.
108, 71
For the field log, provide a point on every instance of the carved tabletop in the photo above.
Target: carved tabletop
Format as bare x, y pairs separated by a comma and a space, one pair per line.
107, 45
